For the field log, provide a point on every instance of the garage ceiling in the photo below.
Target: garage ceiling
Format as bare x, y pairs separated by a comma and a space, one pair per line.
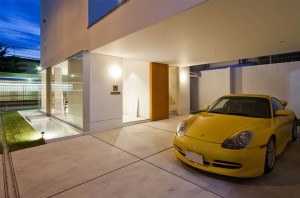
215, 31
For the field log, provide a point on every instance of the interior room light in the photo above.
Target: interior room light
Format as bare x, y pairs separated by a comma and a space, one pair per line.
115, 71
183, 77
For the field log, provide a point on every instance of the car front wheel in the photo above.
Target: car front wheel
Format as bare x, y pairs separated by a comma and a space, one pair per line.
270, 155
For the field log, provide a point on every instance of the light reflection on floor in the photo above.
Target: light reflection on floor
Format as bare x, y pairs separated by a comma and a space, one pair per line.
128, 118
70, 119
52, 128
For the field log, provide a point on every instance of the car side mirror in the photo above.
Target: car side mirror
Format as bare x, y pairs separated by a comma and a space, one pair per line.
206, 107
283, 102
282, 113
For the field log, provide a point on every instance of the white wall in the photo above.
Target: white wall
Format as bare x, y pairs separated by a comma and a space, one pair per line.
212, 85
173, 89
184, 91
194, 97
280, 80
136, 88
105, 109
64, 24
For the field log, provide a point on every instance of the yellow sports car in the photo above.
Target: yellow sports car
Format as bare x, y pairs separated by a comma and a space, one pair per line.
239, 135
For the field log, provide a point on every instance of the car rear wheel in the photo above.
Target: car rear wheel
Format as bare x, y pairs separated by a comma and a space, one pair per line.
270, 155
294, 132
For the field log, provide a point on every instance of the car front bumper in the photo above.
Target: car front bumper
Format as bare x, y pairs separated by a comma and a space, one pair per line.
248, 162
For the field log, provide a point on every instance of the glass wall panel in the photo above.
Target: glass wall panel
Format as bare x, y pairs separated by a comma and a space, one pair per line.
100, 8
43, 98
66, 86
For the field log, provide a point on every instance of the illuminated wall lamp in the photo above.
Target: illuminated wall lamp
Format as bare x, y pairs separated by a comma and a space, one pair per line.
115, 72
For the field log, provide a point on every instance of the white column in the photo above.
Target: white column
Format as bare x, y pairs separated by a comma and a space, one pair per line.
184, 91
105, 103
58, 95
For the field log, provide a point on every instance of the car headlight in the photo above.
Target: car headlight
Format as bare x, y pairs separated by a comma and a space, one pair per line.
239, 141
181, 128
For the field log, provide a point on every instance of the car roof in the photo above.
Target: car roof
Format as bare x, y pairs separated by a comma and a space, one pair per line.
248, 95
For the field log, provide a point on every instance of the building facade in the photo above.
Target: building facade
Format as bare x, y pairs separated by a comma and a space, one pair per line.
107, 62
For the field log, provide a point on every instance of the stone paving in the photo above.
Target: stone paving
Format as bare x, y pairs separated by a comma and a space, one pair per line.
138, 161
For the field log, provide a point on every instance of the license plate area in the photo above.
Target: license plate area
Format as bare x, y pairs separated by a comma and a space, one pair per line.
194, 157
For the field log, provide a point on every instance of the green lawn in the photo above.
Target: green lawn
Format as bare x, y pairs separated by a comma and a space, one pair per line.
19, 133
0, 140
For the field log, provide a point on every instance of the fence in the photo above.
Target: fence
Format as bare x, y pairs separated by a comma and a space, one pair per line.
19, 92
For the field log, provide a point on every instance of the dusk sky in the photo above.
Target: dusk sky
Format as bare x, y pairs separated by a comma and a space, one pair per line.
20, 27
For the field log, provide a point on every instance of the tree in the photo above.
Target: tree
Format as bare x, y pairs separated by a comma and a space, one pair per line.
3, 49
10, 63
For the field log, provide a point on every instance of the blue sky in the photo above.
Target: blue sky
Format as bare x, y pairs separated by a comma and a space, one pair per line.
20, 27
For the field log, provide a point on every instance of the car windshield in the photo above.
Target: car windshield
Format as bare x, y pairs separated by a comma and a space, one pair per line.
243, 106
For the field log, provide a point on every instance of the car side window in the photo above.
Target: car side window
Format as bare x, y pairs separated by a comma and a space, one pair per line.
276, 105
221, 104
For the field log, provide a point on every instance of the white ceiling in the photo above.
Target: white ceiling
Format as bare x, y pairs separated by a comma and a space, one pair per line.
215, 31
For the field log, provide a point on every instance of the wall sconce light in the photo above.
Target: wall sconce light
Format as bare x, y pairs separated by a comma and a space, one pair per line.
183, 77
115, 71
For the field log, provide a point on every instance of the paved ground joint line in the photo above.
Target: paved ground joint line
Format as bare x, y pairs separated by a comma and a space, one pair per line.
11, 186
131, 153
116, 147
3, 162
185, 179
159, 128
94, 178
296, 162
157, 153
139, 159
144, 159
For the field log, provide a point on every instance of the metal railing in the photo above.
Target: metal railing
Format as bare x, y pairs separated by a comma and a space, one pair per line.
19, 92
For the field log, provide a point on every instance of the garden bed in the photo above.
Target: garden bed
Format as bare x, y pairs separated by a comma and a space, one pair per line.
19, 133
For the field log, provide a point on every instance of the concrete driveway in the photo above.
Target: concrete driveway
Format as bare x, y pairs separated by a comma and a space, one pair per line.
138, 161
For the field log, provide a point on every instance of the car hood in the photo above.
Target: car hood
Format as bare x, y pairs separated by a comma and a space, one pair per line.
217, 128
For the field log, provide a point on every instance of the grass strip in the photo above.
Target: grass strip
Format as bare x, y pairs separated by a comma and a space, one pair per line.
1, 151
19, 133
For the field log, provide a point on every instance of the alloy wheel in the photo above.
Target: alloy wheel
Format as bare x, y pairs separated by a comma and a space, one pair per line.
271, 153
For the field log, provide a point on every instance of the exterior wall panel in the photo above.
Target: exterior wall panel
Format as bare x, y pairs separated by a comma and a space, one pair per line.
64, 24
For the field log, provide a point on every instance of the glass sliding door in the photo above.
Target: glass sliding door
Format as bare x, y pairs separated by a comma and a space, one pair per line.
43, 92
66, 86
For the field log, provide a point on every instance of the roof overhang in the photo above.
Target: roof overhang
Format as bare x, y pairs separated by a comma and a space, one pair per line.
215, 31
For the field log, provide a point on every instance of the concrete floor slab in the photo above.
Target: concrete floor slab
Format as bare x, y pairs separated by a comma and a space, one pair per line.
138, 180
283, 181
138, 140
46, 170
167, 124
292, 151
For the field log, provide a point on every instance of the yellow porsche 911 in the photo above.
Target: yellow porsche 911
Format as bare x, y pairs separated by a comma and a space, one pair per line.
239, 135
